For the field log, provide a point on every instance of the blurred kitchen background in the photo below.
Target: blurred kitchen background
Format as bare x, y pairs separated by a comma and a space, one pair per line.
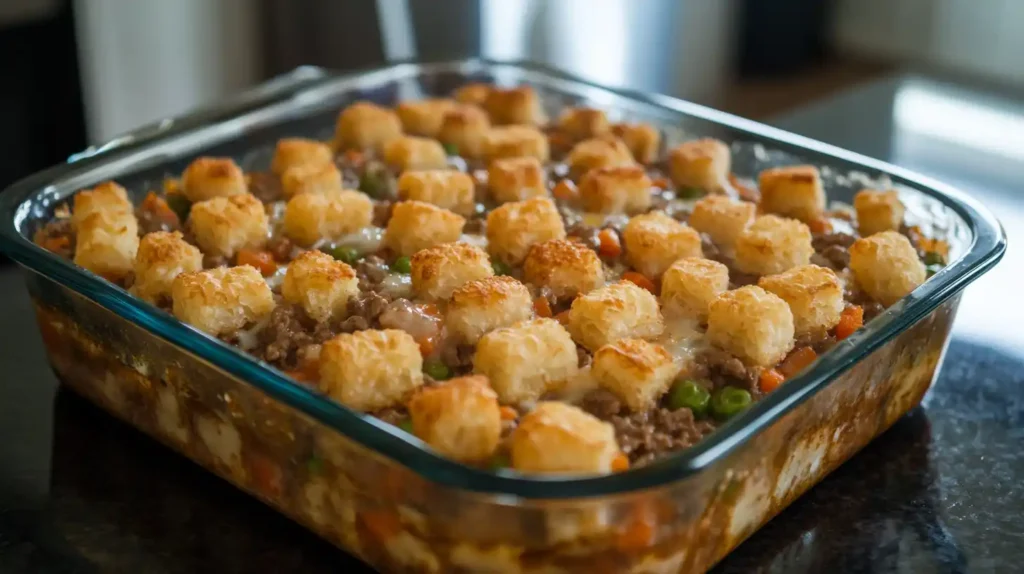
932, 85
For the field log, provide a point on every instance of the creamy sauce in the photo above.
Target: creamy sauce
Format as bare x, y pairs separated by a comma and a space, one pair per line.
275, 280
397, 285
366, 240
249, 339
683, 339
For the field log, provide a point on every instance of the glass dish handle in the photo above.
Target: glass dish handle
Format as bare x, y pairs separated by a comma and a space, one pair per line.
283, 85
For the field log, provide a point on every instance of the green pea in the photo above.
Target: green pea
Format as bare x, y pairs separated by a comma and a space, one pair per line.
315, 464
690, 395
500, 461
451, 149
690, 192
372, 185
933, 258
402, 265
180, 205
501, 268
437, 370
933, 269
347, 254
729, 401
406, 425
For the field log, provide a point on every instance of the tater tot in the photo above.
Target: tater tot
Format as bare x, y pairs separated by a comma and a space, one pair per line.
464, 128
479, 307
516, 141
886, 266
583, 123
519, 105
617, 311
311, 178
311, 217
294, 152
643, 140
565, 267
371, 370
604, 151
527, 359
223, 225
814, 295
558, 438
474, 93
162, 256
722, 218
752, 324
107, 197
209, 177
514, 227
321, 285
445, 188
516, 179
616, 190
437, 271
878, 211
794, 191
654, 241
772, 245
415, 225
690, 285
365, 125
411, 153
106, 243
702, 164
636, 371
221, 301
459, 418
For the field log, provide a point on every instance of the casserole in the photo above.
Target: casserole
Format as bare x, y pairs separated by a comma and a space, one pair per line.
371, 489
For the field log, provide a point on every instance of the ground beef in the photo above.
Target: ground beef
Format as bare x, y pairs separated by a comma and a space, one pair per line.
583, 356
458, 356
709, 249
476, 226
601, 403
588, 235
738, 279
872, 309
285, 333
282, 249
725, 369
265, 186
833, 249
651, 434
820, 341
59, 236
392, 415
371, 270
150, 222
363, 311
382, 213
210, 261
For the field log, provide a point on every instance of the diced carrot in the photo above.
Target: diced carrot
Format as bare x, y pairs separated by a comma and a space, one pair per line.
638, 532
354, 157
611, 247
542, 307
620, 463
56, 244
640, 280
382, 524
563, 317
797, 361
770, 380
508, 413
261, 260
661, 182
430, 309
427, 345
157, 206
930, 245
851, 320
820, 225
565, 190
172, 185
266, 475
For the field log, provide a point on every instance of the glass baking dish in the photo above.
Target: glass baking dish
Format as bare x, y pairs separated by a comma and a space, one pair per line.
375, 491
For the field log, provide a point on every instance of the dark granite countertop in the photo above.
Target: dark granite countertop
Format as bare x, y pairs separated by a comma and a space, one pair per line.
942, 491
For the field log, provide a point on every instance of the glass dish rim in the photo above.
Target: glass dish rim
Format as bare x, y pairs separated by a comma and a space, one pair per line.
988, 243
